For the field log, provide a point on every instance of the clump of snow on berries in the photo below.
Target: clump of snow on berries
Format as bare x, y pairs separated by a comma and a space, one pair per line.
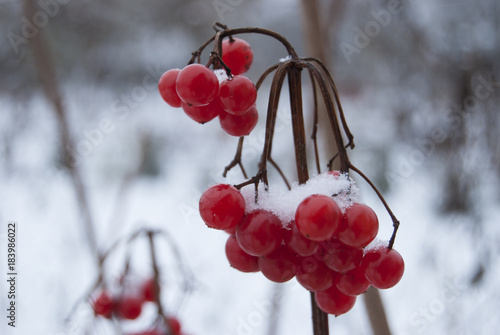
284, 203
221, 75
375, 244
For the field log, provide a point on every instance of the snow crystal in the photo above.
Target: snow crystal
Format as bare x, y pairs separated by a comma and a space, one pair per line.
282, 60
284, 203
221, 75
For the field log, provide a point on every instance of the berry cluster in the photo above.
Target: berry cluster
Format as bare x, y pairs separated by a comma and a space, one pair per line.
323, 246
197, 89
128, 306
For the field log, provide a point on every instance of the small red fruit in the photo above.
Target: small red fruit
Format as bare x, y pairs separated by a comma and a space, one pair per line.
197, 85
332, 301
280, 266
359, 226
237, 95
103, 304
129, 307
237, 54
166, 86
384, 267
259, 233
203, 114
317, 217
238, 258
222, 206
298, 242
316, 278
340, 257
353, 282
239, 125
149, 290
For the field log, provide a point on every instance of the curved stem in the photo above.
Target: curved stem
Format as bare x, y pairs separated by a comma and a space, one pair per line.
395, 221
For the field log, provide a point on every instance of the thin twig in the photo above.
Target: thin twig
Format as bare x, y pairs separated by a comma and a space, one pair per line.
273, 163
236, 160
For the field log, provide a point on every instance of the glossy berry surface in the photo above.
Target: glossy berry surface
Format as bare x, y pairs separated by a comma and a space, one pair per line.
237, 95
340, 257
280, 266
298, 242
359, 226
103, 304
353, 282
315, 278
166, 86
259, 233
129, 307
317, 217
197, 85
222, 206
238, 258
237, 55
203, 114
239, 125
384, 267
332, 301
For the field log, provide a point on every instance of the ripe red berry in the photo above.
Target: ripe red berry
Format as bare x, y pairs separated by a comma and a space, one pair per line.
222, 206
103, 304
239, 125
237, 95
166, 86
280, 266
298, 242
129, 307
353, 282
259, 233
174, 325
237, 54
359, 226
203, 114
197, 85
332, 301
317, 217
238, 258
384, 267
317, 278
340, 257
149, 290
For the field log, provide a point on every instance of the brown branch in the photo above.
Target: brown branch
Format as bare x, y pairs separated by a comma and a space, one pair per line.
273, 163
376, 312
236, 160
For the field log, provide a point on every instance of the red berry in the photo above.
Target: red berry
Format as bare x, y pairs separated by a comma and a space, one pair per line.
280, 266
317, 217
237, 54
222, 206
238, 258
259, 233
197, 85
203, 114
237, 95
298, 242
166, 86
129, 307
384, 267
231, 231
340, 257
149, 290
353, 282
332, 301
174, 325
103, 304
316, 278
359, 226
239, 125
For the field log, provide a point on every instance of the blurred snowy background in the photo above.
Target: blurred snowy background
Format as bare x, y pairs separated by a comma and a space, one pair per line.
419, 82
